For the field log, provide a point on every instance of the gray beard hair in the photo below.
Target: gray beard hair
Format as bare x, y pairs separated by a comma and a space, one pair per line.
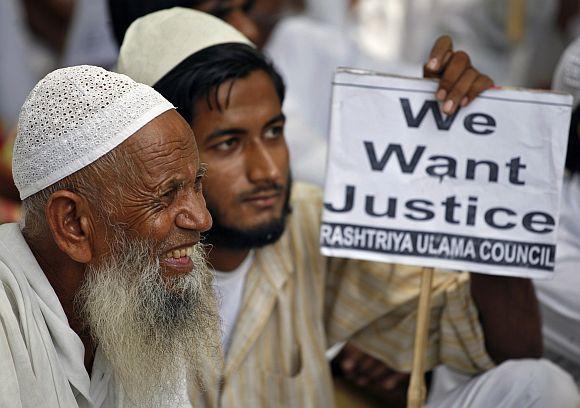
161, 338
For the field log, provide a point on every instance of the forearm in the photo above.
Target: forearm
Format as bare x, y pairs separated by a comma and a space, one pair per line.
509, 315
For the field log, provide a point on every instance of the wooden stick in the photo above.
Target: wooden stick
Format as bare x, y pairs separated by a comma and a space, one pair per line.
516, 20
417, 392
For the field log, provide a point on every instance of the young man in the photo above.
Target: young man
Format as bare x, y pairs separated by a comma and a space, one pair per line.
283, 303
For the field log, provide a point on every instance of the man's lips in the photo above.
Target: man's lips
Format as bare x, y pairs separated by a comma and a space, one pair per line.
264, 200
179, 258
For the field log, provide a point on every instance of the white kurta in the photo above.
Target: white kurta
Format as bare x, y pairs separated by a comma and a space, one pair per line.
560, 298
41, 357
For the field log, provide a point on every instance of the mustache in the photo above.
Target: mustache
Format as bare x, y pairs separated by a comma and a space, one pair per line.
267, 187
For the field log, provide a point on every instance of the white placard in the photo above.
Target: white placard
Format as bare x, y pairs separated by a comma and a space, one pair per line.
477, 191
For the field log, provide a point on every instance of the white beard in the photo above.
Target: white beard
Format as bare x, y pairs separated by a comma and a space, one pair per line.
159, 337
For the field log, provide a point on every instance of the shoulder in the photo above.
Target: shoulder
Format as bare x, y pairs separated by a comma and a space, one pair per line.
305, 192
303, 224
306, 201
13, 283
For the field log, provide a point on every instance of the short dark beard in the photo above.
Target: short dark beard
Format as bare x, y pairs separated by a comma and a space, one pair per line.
257, 237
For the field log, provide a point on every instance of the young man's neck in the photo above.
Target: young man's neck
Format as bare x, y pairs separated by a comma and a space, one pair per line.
226, 259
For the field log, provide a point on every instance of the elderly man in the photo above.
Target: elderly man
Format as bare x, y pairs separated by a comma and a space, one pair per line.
105, 298
283, 303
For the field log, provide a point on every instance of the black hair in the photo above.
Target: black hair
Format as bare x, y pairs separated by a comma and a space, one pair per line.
124, 12
573, 153
201, 75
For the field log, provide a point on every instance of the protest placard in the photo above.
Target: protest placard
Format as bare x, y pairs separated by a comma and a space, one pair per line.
477, 191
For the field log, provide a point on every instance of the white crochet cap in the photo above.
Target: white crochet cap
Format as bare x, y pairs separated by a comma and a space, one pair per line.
158, 42
72, 117
567, 76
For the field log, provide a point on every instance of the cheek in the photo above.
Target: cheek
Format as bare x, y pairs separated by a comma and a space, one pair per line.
155, 226
220, 192
281, 156
226, 176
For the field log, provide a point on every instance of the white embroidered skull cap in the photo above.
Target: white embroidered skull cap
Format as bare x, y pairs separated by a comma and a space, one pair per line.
158, 42
567, 76
74, 116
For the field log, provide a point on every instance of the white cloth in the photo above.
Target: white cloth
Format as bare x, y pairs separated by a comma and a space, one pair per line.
158, 42
23, 60
90, 38
329, 11
41, 357
560, 297
320, 49
515, 383
479, 27
229, 288
567, 75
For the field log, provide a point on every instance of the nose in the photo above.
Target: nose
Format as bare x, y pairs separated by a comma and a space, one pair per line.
193, 215
240, 20
261, 164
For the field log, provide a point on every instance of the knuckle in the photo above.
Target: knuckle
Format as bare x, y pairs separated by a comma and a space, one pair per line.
487, 81
447, 82
471, 73
456, 94
462, 55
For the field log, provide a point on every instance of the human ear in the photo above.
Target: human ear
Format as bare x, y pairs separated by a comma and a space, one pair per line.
71, 224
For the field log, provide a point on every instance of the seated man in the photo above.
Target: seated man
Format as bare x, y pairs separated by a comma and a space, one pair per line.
283, 304
104, 292
560, 297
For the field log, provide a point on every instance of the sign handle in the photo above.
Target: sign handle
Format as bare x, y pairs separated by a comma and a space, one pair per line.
417, 392
516, 17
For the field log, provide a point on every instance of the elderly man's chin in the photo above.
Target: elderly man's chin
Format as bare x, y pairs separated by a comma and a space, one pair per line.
152, 323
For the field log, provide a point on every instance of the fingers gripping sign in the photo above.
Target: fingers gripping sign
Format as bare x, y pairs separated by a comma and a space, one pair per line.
371, 373
459, 81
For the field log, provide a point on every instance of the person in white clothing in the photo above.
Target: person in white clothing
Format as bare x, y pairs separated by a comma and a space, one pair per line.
105, 299
560, 297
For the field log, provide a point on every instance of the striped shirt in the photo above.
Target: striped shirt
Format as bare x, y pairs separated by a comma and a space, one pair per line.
297, 303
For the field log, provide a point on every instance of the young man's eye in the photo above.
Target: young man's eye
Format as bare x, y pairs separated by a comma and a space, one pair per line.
226, 145
274, 132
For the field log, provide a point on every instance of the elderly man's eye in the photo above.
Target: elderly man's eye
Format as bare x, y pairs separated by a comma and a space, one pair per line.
168, 194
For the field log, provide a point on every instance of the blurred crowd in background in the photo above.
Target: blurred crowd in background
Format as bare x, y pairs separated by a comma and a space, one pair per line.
516, 42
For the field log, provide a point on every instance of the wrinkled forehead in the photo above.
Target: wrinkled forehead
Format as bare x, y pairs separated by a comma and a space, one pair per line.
163, 147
